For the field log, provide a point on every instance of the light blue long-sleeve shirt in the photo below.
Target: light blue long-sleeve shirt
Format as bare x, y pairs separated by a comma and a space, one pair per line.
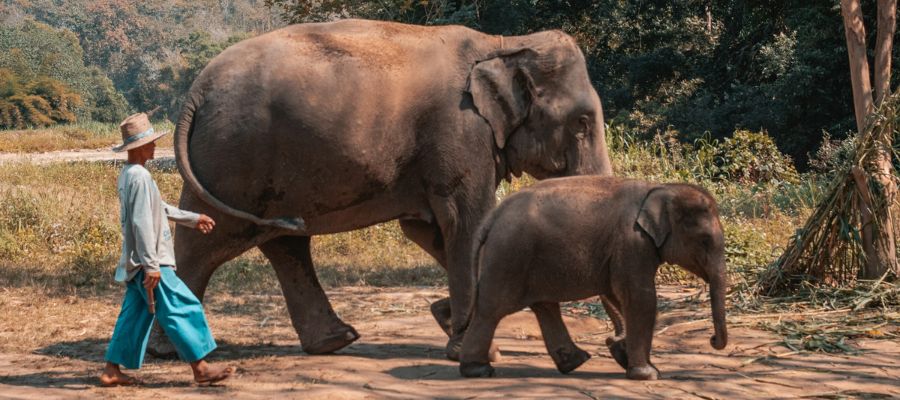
147, 239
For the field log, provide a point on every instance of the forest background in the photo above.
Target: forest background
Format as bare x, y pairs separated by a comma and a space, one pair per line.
694, 69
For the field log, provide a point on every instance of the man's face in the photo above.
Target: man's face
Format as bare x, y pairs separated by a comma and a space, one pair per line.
148, 150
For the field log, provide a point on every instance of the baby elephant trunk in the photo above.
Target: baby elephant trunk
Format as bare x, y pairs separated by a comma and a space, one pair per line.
717, 297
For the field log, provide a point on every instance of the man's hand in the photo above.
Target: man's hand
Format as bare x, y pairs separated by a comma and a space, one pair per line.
151, 279
205, 224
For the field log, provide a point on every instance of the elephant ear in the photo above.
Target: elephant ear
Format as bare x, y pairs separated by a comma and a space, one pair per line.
501, 91
654, 215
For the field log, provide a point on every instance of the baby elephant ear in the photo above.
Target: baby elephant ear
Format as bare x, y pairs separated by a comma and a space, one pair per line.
654, 215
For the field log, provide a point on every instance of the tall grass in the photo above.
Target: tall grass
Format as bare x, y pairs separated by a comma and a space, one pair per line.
59, 228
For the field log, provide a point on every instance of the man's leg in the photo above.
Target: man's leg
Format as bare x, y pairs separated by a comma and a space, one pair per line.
181, 316
129, 339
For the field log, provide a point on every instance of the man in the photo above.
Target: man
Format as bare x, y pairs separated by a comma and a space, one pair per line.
147, 267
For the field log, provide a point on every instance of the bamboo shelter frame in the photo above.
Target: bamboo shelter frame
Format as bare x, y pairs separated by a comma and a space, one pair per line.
828, 248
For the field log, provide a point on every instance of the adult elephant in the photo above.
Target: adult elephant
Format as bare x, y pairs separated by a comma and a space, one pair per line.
322, 128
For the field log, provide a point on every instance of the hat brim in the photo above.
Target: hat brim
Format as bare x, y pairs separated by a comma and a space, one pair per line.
139, 143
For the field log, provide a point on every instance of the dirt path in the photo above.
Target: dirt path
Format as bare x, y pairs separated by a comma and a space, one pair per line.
400, 355
77, 155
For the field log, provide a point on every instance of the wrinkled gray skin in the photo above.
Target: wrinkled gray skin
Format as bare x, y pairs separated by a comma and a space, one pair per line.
322, 128
571, 238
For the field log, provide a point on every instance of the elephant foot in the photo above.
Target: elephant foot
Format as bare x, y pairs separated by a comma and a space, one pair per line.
440, 310
336, 340
454, 346
159, 345
476, 370
643, 373
567, 361
617, 349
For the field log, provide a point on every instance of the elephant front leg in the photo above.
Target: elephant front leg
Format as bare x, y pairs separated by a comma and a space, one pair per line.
319, 328
566, 355
640, 319
458, 217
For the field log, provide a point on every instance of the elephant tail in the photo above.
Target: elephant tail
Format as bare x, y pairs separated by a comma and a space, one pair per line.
183, 131
481, 235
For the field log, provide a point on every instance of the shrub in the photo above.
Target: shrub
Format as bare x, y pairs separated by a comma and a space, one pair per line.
832, 154
753, 157
94, 253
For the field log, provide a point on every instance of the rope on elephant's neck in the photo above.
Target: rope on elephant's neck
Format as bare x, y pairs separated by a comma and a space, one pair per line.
501, 42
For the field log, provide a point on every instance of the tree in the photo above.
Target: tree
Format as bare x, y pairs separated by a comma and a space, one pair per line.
878, 239
33, 51
39, 102
434, 12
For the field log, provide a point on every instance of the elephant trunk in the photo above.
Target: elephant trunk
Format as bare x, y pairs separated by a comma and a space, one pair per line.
590, 157
603, 165
717, 297
600, 156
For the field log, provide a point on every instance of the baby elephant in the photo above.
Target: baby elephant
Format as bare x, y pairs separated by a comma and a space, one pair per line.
572, 238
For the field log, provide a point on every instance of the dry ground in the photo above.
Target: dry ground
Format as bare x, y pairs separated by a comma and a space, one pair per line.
52, 344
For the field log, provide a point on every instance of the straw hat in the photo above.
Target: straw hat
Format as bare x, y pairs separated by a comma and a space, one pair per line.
136, 132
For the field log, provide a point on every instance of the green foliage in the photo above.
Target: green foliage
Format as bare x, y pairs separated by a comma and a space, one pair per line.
175, 80
40, 102
139, 45
424, 12
833, 155
44, 76
753, 158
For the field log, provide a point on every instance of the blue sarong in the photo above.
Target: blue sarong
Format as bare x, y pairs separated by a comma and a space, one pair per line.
180, 315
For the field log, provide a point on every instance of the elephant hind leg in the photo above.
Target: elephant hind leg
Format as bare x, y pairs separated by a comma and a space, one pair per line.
475, 353
566, 355
318, 327
616, 344
428, 236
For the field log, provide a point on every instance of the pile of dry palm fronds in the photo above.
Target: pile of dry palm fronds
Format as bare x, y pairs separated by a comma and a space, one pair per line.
820, 318
828, 249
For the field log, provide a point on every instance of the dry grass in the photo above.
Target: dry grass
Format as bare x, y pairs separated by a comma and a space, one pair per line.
85, 135
825, 319
59, 229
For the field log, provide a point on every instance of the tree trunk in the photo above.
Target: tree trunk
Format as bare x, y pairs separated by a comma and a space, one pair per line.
887, 22
885, 245
878, 244
859, 65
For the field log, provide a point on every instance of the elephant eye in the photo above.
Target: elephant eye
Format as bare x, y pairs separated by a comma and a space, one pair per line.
584, 123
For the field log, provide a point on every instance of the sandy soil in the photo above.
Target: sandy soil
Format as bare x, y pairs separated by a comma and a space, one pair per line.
56, 350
